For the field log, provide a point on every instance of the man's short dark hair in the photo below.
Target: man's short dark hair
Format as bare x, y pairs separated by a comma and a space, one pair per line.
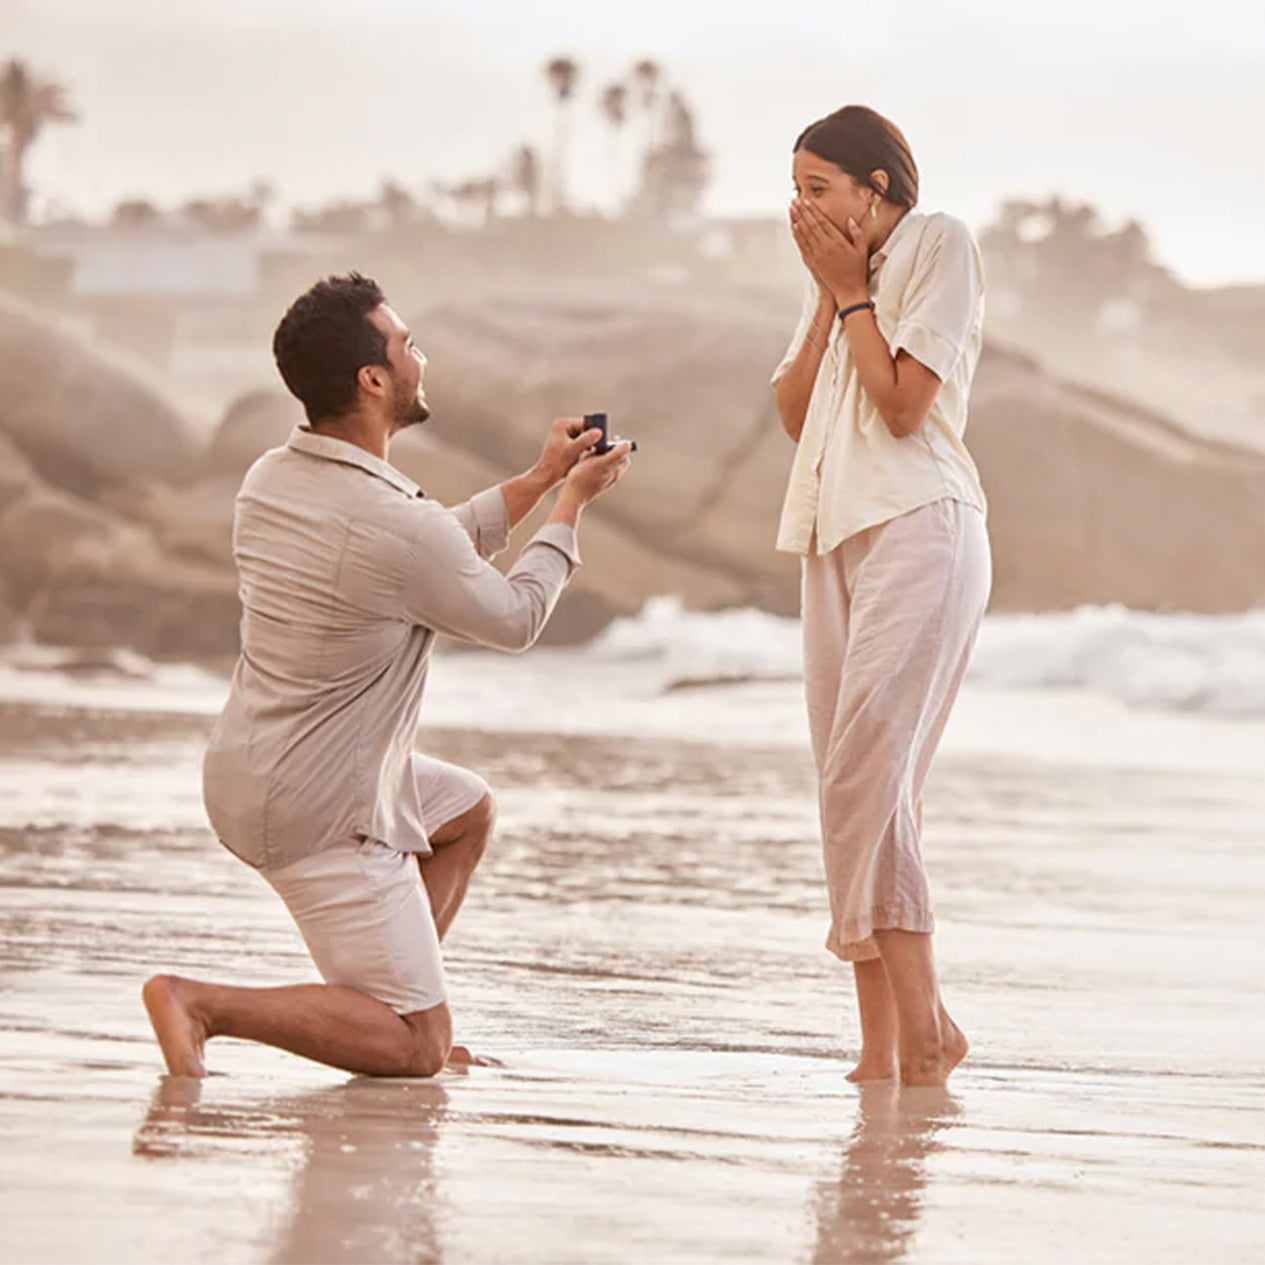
325, 338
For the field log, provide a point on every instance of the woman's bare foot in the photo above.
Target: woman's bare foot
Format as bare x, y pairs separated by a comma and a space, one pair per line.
929, 1062
180, 1034
874, 1067
956, 1046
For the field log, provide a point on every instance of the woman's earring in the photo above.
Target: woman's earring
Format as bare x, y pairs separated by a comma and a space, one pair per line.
874, 210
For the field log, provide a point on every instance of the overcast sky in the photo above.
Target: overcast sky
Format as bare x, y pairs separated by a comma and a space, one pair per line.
1148, 110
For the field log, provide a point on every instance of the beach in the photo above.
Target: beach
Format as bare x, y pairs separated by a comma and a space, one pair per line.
642, 953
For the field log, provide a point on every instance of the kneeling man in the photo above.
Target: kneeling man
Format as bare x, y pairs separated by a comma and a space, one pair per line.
347, 573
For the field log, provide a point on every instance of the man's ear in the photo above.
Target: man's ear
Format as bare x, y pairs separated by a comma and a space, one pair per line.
372, 378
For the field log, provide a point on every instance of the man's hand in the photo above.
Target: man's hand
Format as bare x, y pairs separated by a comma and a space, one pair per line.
568, 441
593, 475
590, 477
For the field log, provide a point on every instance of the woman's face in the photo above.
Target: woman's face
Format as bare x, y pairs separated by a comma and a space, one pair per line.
831, 190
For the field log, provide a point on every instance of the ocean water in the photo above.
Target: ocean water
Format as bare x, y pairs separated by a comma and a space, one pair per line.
642, 951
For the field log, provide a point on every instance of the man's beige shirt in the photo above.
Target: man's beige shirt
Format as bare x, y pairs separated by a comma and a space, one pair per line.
849, 472
347, 572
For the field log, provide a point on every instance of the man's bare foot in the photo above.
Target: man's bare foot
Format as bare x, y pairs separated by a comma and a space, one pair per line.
929, 1062
872, 1067
461, 1056
180, 1034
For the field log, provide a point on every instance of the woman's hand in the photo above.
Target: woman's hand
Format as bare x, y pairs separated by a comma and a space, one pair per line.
838, 260
822, 292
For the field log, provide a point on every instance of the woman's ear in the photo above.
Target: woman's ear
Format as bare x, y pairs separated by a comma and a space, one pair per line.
879, 181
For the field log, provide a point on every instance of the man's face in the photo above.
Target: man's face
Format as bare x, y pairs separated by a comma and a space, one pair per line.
408, 368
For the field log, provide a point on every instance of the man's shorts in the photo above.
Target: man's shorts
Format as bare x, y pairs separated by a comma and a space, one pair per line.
362, 907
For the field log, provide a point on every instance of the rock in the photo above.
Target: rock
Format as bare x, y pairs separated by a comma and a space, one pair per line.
1094, 500
697, 514
195, 521
42, 530
251, 425
82, 420
620, 570
10, 624
77, 575
140, 600
17, 477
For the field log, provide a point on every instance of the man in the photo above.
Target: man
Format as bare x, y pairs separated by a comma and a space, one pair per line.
347, 573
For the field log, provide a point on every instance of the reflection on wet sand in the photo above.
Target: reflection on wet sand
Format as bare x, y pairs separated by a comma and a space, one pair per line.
868, 1214
365, 1190
643, 952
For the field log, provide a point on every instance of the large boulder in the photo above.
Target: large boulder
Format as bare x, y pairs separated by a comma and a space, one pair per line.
41, 531
684, 375
194, 521
84, 421
1093, 499
620, 569
17, 475
141, 599
75, 574
1096, 500
251, 425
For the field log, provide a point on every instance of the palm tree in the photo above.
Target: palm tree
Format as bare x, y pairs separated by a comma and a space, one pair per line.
648, 75
675, 174
615, 107
396, 203
563, 73
27, 104
524, 178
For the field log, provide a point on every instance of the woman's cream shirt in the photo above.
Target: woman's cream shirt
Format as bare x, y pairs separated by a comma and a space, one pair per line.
850, 473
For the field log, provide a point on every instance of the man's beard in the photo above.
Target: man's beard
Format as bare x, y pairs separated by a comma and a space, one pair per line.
409, 410
414, 414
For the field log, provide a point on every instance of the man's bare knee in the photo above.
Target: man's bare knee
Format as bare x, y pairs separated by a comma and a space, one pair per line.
474, 827
480, 819
429, 1041
483, 821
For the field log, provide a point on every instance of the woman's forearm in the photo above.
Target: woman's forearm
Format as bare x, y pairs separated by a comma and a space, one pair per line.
903, 399
794, 386
872, 357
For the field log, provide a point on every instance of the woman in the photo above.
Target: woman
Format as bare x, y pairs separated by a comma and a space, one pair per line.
885, 505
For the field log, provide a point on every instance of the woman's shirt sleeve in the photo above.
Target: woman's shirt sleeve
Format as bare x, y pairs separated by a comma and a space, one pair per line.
944, 298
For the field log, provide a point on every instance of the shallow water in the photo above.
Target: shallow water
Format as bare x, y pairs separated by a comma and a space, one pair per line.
642, 950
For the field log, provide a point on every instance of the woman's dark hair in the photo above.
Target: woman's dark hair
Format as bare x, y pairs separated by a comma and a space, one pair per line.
858, 141
325, 338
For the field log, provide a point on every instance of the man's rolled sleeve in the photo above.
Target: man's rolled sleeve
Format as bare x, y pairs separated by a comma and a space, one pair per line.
449, 588
485, 518
562, 538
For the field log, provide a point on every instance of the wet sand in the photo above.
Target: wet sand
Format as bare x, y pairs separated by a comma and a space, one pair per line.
643, 952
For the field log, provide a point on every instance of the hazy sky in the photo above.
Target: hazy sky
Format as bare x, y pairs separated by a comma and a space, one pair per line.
1151, 110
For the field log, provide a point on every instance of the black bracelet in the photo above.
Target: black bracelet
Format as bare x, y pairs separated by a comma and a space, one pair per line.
856, 307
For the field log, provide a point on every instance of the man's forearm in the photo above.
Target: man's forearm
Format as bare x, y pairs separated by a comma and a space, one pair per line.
567, 509
523, 493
